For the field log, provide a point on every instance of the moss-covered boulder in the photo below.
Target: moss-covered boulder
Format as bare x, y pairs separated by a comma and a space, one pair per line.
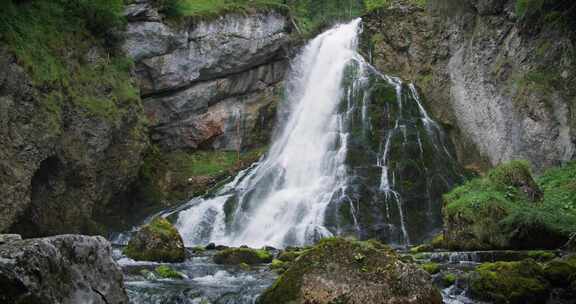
343, 271
510, 282
561, 272
159, 241
237, 256
507, 209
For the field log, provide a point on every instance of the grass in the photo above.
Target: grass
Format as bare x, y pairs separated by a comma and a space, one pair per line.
212, 8
52, 40
498, 208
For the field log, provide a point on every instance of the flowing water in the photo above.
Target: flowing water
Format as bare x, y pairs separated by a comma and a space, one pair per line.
355, 154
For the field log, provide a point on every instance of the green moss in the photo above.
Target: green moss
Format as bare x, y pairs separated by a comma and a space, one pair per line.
168, 273
369, 261
449, 279
526, 7
237, 256
167, 178
158, 241
506, 209
561, 271
541, 255
52, 40
245, 267
421, 248
510, 282
289, 256
438, 241
431, 268
279, 266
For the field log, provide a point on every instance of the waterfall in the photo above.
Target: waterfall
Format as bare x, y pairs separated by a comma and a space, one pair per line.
337, 165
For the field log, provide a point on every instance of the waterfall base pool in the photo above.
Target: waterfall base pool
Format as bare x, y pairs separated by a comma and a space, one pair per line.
204, 283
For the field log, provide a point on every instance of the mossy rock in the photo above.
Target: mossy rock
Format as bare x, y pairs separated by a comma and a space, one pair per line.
516, 174
561, 272
422, 248
510, 282
438, 241
506, 209
344, 271
448, 279
166, 272
289, 256
237, 256
159, 242
541, 255
431, 268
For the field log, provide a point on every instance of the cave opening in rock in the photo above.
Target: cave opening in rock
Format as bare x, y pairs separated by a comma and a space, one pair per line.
41, 185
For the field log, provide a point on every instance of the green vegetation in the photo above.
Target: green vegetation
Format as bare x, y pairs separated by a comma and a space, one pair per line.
68, 49
510, 282
525, 281
541, 255
168, 273
167, 178
449, 279
556, 13
237, 256
506, 209
431, 268
212, 8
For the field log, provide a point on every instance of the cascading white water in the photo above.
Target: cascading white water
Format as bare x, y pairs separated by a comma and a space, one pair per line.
283, 200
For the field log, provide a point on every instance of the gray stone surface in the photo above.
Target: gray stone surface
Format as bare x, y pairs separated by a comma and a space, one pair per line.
208, 84
68, 269
504, 89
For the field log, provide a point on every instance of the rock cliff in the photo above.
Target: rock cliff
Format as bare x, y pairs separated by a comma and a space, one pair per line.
499, 80
59, 163
207, 83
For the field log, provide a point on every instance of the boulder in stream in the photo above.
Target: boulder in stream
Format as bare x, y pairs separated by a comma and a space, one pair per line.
158, 241
343, 271
237, 256
63, 269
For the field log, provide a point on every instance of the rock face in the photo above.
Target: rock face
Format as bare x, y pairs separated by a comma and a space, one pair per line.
341, 271
504, 87
207, 84
159, 241
65, 269
59, 165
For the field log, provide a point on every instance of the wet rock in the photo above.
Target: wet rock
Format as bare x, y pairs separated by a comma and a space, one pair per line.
9, 238
159, 241
63, 269
237, 256
338, 270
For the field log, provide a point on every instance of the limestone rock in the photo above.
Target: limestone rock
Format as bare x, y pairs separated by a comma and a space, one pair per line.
487, 75
65, 269
208, 84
